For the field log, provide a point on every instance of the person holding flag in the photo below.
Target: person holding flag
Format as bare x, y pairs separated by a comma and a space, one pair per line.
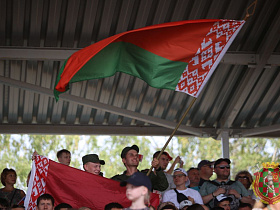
130, 159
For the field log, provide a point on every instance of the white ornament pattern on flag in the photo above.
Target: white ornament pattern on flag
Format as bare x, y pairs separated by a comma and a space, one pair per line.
202, 65
39, 183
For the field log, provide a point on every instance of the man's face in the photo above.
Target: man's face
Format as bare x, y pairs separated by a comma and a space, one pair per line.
194, 177
179, 178
131, 158
163, 161
207, 170
222, 170
93, 168
65, 158
45, 205
225, 205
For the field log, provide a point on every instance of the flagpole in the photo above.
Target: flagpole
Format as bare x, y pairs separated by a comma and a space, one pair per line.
176, 128
247, 10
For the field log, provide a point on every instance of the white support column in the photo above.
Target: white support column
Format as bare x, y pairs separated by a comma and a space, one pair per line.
225, 143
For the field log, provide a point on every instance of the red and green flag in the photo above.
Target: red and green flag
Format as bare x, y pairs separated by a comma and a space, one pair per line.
73, 186
179, 56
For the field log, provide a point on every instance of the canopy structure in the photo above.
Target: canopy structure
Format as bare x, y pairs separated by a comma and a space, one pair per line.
240, 100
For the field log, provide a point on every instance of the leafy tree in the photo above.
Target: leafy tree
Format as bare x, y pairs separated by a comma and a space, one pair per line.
16, 151
248, 153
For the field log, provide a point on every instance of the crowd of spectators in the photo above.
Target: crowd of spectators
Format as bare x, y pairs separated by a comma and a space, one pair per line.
177, 188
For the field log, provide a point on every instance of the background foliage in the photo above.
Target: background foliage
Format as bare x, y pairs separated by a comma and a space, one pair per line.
16, 151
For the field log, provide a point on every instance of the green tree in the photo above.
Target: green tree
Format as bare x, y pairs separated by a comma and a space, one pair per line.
245, 153
192, 150
17, 151
248, 153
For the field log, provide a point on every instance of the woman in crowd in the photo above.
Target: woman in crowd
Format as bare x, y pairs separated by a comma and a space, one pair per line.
11, 194
246, 179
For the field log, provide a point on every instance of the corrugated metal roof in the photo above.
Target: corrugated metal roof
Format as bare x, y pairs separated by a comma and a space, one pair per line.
36, 36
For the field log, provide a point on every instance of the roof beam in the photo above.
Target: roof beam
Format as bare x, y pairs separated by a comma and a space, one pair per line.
58, 54
102, 106
261, 130
88, 130
245, 88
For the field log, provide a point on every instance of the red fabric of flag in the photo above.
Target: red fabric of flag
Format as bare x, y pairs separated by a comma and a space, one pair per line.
75, 187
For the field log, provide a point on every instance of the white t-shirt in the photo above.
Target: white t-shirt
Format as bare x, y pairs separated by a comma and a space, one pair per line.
171, 196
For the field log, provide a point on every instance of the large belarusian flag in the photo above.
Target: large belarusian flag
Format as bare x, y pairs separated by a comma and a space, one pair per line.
73, 186
179, 56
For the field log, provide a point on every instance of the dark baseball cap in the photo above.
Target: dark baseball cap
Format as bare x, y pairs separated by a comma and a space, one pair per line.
92, 158
204, 162
138, 179
222, 160
126, 149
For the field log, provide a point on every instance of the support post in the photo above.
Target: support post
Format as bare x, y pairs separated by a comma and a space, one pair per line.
225, 144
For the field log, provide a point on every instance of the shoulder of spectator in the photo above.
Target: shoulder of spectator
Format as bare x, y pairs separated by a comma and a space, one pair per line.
144, 171
240, 185
204, 189
22, 193
119, 177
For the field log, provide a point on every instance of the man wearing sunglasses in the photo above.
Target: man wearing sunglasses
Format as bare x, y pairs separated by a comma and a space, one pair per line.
223, 185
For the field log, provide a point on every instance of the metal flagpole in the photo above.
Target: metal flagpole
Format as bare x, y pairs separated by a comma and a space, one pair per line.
171, 136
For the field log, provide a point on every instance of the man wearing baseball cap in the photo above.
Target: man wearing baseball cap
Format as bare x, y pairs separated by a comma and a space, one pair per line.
222, 201
163, 163
205, 168
182, 195
223, 185
92, 164
130, 159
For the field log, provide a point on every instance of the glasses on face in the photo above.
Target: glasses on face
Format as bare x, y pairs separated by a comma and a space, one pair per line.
210, 166
223, 167
178, 175
243, 177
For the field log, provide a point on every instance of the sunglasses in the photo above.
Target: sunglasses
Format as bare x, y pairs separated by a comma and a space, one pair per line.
243, 177
223, 167
178, 175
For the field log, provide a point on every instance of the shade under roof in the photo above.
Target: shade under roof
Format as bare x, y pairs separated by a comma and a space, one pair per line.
36, 36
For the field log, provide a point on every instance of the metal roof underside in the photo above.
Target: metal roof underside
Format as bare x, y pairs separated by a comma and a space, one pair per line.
36, 36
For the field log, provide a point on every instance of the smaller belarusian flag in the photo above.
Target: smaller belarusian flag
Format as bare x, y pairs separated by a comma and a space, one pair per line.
73, 186
178, 56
